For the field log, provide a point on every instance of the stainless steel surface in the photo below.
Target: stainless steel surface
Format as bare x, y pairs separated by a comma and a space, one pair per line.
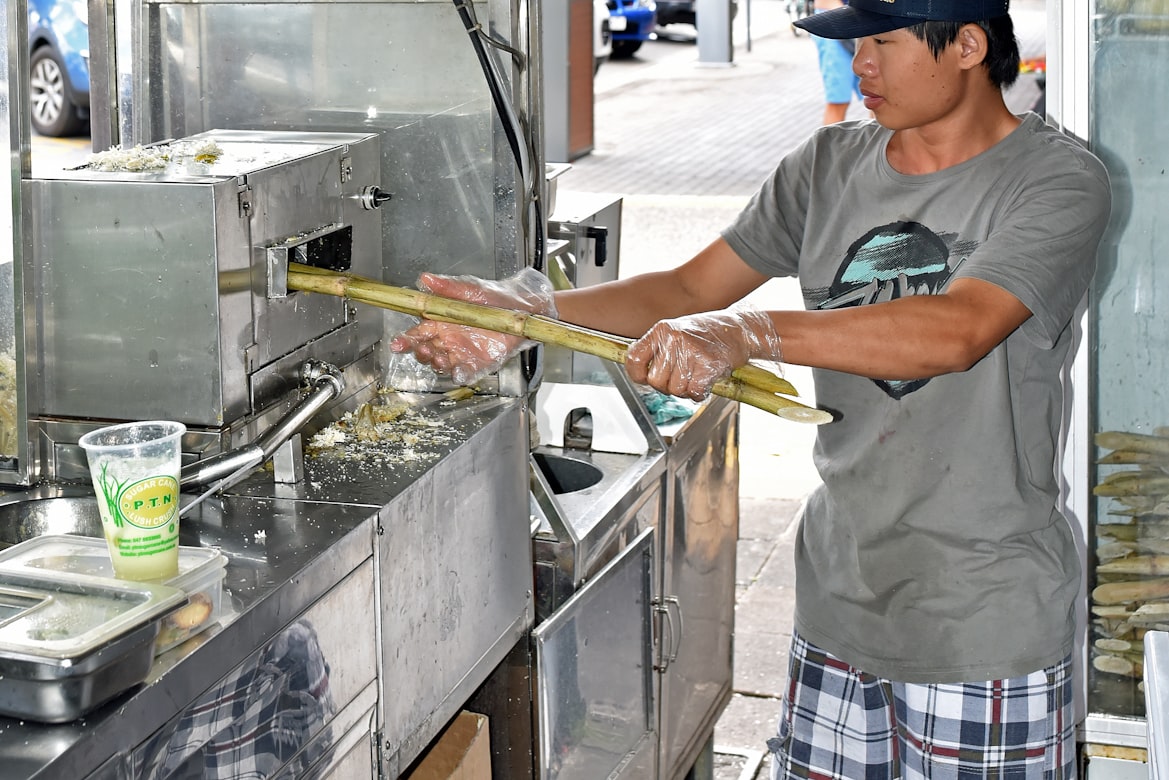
594, 672
700, 530
69, 642
64, 510
154, 273
587, 526
282, 558
441, 545
591, 509
18, 462
349, 750
456, 560
452, 577
453, 554
456, 199
43, 692
309, 678
578, 221
1156, 677
326, 383
1113, 730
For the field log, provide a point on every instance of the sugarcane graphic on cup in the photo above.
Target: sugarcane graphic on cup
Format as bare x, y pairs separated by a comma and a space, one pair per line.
109, 488
135, 471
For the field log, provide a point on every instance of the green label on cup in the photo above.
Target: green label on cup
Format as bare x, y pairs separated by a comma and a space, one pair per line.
151, 502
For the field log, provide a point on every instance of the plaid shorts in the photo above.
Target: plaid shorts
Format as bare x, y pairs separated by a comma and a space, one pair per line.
840, 722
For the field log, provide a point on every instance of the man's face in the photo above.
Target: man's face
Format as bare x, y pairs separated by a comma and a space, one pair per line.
903, 84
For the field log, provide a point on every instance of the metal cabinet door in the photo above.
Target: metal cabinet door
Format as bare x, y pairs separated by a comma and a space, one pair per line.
594, 673
701, 531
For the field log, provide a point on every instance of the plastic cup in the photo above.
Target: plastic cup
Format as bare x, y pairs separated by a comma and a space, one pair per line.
135, 471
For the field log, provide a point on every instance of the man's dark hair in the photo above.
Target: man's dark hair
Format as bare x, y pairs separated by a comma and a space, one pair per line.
1002, 54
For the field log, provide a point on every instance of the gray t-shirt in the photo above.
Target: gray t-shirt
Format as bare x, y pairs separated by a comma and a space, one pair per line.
935, 551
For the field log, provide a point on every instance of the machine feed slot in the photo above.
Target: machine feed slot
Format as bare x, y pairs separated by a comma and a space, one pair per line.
330, 248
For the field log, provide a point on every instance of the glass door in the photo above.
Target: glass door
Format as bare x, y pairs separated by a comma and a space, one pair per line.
1128, 364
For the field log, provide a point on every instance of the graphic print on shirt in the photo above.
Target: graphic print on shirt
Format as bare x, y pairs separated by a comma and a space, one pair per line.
893, 261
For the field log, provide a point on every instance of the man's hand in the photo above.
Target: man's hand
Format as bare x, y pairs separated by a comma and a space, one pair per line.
468, 354
686, 356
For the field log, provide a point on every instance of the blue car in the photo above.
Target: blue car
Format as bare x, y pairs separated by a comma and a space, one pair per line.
58, 40
632, 22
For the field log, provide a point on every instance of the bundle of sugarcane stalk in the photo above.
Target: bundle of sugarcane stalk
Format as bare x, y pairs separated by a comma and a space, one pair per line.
748, 384
1131, 595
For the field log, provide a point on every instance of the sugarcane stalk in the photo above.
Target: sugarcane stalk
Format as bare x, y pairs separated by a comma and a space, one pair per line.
1110, 551
750, 374
1138, 442
1126, 592
1134, 458
1133, 483
1115, 664
1115, 646
1137, 564
1155, 612
740, 386
532, 326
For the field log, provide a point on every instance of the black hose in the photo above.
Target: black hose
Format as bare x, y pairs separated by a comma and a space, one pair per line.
503, 109
497, 96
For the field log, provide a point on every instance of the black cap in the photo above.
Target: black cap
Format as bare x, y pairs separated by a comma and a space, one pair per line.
872, 17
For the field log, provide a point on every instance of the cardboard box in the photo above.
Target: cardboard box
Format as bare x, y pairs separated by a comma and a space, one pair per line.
462, 752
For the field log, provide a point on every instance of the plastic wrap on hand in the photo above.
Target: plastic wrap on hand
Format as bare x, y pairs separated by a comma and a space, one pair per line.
468, 354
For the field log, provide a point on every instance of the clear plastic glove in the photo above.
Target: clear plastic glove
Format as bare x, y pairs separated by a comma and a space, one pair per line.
686, 356
469, 354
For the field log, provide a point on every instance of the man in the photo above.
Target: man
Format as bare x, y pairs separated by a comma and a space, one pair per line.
942, 250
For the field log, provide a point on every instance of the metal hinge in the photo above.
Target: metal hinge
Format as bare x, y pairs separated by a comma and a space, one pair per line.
244, 193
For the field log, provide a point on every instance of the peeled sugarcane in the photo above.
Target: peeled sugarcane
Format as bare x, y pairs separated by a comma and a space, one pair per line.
1135, 458
1150, 614
1112, 611
1145, 565
1110, 551
747, 384
1134, 442
1127, 592
1133, 483
1134, 552
1115, 664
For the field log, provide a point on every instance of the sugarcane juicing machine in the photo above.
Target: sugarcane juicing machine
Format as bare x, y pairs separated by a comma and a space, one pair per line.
158, 280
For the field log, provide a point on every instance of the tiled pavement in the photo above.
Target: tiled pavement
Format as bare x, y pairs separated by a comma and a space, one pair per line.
686, 145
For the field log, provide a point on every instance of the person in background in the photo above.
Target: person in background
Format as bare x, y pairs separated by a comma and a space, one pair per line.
840, 83
943, 249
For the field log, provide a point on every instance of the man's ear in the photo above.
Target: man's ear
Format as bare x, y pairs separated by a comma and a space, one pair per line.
972, 45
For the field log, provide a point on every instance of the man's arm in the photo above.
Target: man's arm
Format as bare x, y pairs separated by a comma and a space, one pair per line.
715, 278
916, 337
910, 338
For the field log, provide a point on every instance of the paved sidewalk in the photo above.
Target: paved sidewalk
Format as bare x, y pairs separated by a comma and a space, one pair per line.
686, 145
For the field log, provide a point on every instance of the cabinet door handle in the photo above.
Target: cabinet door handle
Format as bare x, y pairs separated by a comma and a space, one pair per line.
672, 601
674, 632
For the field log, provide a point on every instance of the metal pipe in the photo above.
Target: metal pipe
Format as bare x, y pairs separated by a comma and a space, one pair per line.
327, 383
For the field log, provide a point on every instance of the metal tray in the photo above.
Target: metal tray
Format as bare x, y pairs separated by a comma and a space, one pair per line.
69, 643
200, 576
50, 692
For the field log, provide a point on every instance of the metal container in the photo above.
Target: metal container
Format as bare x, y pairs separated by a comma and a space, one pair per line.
159, 292
70, 642
200, 576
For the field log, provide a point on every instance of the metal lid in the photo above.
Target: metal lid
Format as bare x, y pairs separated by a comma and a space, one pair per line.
48, 614
86, 555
